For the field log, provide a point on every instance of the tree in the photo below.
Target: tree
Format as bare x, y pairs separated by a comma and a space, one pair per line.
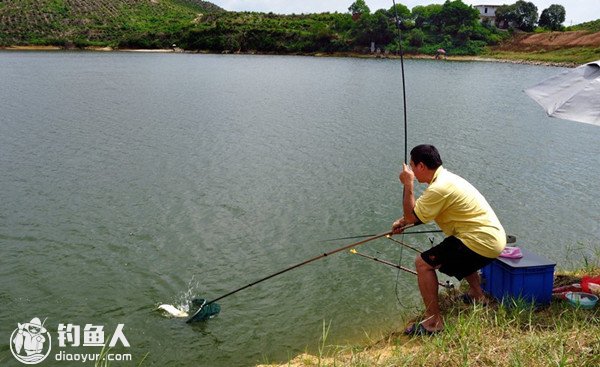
424, 15
526, 15
505, 16
359, 7
456, 16
378, 28
522, 15
553, 17
416, 37
401, 10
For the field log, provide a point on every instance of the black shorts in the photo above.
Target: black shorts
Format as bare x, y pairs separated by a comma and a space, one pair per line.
454, 258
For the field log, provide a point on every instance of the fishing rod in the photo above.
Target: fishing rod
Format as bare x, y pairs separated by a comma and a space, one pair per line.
397, 266
370, 235
403, 83
509, 239
397, 21
205, 311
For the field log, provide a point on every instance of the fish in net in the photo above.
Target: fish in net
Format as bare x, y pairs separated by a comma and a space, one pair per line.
205, 311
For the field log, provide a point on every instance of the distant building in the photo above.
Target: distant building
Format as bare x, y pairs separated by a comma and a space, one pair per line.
487, 12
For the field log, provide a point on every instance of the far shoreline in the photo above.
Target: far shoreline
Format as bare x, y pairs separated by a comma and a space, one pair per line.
315, 54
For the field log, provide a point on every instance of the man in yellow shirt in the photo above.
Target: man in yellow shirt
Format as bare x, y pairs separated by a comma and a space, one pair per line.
474, 239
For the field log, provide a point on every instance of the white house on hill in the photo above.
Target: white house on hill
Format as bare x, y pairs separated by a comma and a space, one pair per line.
487, 12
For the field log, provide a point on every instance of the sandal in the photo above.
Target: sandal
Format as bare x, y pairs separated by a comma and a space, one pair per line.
417, 329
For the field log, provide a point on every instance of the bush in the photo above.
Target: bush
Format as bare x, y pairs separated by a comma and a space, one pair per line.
416, 37
469, 48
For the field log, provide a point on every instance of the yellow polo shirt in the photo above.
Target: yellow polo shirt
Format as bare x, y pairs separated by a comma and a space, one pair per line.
461, 211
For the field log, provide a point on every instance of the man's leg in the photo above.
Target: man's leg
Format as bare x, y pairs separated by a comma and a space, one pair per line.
475, 291
428, 286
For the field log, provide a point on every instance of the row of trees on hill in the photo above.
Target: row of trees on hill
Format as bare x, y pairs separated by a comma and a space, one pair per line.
523, 15
453, 26
199, 25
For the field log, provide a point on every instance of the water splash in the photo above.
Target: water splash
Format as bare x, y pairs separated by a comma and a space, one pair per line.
181, 307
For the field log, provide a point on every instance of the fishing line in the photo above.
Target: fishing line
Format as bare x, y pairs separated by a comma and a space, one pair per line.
396, 291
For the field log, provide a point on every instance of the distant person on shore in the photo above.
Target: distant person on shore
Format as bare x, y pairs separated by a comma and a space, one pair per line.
474, 239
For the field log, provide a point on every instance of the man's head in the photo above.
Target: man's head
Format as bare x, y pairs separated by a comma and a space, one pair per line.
426, 154
424, 161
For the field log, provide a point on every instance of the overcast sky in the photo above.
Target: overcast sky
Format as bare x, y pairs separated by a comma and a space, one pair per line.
578, 11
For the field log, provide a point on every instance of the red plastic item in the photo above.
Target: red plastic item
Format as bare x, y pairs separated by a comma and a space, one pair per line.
586, 280
567, 288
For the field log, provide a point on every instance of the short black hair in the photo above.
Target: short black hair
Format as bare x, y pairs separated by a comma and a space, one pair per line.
427, 154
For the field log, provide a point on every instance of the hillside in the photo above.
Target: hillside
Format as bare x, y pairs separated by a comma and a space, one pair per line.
592, 26
151, 23
566, 48
198, 25
551, 41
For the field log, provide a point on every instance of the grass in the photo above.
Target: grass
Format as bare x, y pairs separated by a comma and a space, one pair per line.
512, 334
573, 55
323, 341
103, 361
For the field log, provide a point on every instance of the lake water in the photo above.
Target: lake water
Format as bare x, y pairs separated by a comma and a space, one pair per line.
129, 180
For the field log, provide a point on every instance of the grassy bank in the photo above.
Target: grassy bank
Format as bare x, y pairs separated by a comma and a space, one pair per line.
514, 334
567, 56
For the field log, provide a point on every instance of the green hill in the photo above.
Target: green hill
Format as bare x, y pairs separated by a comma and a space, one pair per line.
200, 25
593, 26
140, 23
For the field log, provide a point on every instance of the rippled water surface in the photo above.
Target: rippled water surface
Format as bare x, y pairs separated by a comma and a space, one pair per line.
130, 180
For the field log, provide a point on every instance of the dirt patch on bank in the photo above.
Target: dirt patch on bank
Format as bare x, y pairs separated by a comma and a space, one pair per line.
550, 41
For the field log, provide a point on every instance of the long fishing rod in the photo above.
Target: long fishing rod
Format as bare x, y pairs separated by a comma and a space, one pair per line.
205, 312
397, 266
397, 20
403, 83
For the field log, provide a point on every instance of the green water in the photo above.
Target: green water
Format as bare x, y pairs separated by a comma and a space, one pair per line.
131, 180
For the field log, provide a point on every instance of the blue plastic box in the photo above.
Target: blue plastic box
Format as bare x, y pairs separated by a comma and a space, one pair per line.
529, 278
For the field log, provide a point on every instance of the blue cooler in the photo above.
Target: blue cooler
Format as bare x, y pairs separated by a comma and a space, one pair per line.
530, 278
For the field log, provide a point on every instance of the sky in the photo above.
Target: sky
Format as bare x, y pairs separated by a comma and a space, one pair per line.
578, 11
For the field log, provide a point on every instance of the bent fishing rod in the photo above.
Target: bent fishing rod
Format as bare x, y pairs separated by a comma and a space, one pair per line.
399, 32
199, 316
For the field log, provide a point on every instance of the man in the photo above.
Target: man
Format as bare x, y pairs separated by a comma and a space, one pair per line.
475, 235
